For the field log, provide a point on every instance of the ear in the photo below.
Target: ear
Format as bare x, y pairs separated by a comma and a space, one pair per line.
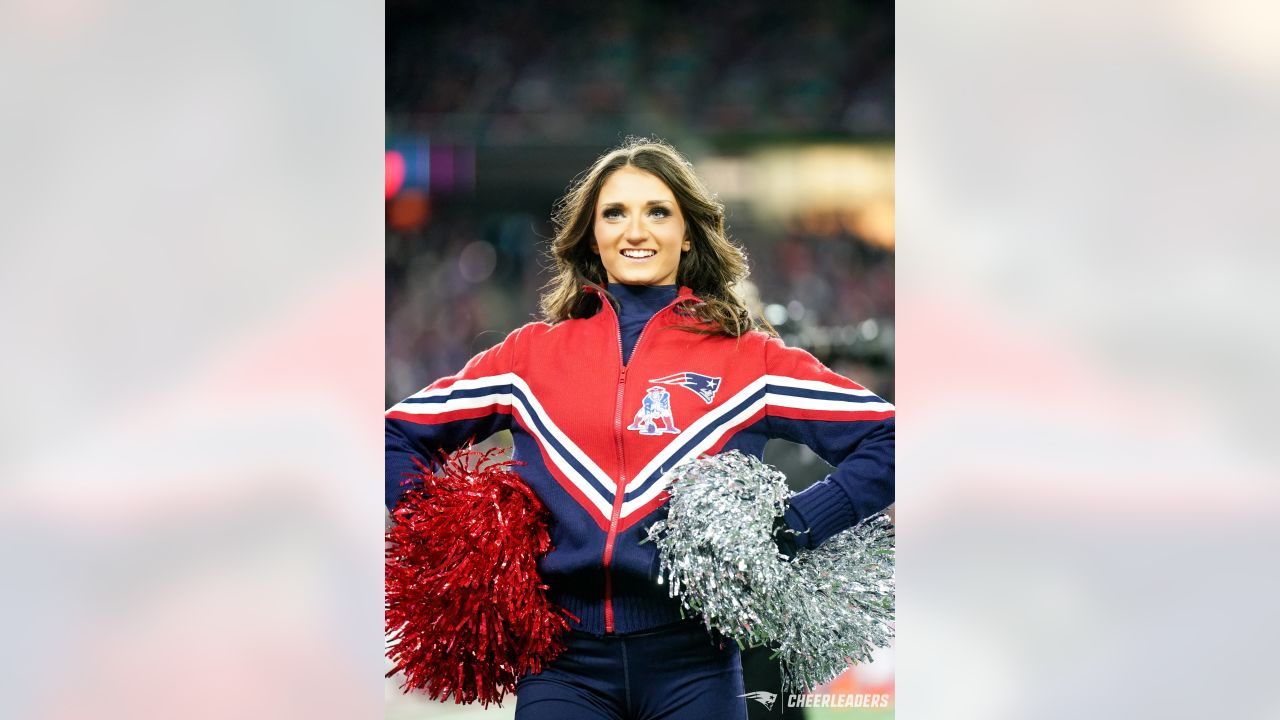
595, 247
684, 247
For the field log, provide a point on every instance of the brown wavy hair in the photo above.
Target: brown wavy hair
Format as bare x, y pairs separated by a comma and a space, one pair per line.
712, 267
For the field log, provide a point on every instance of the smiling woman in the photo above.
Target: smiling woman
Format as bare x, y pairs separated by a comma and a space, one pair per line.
646, 358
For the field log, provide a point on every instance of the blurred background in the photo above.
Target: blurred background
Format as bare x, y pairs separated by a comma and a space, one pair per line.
787, 114
192, 254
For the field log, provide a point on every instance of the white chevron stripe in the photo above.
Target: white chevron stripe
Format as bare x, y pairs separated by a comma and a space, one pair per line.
804, 403
465, 384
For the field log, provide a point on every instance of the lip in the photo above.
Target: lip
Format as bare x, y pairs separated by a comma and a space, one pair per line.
654, 253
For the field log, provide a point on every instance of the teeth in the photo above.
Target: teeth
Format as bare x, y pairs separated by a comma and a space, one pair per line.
639, 253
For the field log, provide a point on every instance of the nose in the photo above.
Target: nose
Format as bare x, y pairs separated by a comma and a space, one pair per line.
635, 230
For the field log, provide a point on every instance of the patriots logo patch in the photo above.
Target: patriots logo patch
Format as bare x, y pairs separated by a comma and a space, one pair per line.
704, 385
655, 407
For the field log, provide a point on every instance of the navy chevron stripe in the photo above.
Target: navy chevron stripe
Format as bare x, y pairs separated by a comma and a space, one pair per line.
821, 394
687, 441
461, 393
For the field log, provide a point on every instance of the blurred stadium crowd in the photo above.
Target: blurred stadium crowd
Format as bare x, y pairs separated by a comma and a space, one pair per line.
533, 72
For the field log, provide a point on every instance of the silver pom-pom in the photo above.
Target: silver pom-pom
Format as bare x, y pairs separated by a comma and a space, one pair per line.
821, 611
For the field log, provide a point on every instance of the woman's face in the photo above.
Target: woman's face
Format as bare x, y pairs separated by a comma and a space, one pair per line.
638, 228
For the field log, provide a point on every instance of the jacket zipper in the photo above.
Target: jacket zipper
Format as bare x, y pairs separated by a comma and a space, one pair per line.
620, 490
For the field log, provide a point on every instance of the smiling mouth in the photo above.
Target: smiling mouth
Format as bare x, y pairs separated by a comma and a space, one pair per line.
639, 254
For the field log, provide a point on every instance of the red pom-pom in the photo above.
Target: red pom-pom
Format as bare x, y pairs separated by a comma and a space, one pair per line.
466, 611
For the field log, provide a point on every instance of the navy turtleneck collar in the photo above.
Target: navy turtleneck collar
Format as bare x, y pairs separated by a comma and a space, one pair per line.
639, 303
643, 299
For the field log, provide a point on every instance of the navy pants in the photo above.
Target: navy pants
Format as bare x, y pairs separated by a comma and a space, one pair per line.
669, 673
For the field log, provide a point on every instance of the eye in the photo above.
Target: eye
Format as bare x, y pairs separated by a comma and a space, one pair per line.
612, 213
659, 212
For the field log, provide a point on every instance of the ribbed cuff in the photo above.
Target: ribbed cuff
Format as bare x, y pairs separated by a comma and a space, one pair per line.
800, 526
823, 509
588, 611
645, 611
634, 609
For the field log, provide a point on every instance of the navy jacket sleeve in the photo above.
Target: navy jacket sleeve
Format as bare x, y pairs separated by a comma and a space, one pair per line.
846, 425
447, 414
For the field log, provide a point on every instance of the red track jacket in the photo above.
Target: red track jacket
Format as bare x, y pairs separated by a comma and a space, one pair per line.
597, 437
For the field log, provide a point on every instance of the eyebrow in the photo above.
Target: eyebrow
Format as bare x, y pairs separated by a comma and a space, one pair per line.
617, 203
